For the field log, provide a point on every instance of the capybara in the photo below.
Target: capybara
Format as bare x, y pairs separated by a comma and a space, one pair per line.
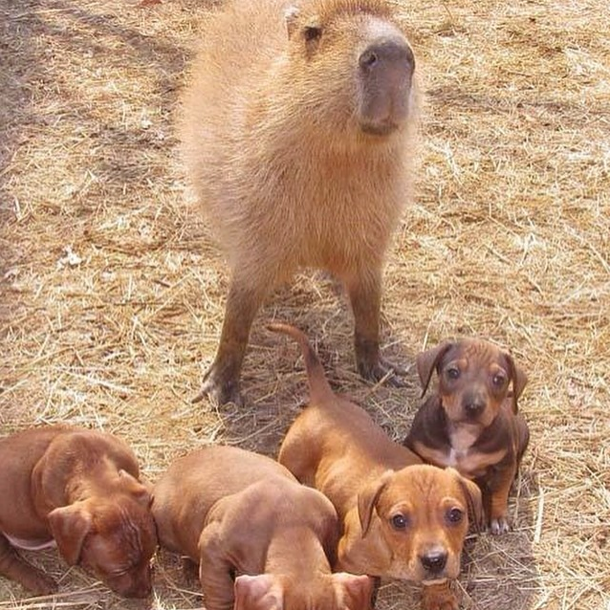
298, 132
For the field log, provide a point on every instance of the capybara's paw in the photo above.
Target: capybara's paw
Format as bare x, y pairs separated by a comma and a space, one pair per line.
382, 370
219, 389
439, 597
499, 526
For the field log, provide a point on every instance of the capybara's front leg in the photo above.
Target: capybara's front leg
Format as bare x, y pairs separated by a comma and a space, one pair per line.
15, 568
364, 291
221, 382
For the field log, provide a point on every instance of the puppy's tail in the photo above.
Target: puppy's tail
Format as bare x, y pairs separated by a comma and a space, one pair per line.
319, 387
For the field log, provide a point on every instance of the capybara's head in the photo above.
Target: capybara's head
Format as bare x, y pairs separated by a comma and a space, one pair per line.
340, 591
474, 378
113, 537
420, 515
357, 62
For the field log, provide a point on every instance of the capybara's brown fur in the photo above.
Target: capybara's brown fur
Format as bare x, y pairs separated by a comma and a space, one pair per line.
298, 132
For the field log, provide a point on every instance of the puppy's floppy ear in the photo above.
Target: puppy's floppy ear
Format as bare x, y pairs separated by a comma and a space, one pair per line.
261, 592
70, 526
474, 500
427, 361
519, 379
356, 591
367, 500
141, 491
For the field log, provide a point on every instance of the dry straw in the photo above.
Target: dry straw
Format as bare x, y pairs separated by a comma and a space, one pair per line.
112, 293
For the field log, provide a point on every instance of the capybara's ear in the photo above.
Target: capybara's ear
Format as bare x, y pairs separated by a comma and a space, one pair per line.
291, 14
261, 592
473, 498
70, 526
519, 379
427, 361
356, 591
367, 500
141, 491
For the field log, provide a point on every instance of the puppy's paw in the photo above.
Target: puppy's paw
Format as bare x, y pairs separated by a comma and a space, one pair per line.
499, 526
439, 597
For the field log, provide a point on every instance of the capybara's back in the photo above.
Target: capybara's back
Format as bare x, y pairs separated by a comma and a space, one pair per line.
297, 133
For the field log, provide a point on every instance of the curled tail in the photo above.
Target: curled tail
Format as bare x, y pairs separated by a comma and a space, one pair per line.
319, 387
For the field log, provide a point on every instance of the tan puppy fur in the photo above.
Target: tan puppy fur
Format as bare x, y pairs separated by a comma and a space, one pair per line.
80, 490
262, 540
401, 519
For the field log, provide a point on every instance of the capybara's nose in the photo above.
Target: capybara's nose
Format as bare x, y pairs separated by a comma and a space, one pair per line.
386, 69
434, 561
386, 53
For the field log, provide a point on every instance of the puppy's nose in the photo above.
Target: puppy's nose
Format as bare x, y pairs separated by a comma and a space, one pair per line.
434, 561
474, 407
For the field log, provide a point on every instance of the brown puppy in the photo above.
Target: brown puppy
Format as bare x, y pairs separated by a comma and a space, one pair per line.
298, 131
472, 423
79, 489
400, 519
261, 539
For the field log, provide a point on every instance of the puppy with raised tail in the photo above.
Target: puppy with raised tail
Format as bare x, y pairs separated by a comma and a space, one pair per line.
79, 490
472, 422
261, 539
401, 519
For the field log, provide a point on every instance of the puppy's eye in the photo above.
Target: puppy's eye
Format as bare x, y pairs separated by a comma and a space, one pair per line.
399, 522
499, 380
453, 372
455, 515
312, 32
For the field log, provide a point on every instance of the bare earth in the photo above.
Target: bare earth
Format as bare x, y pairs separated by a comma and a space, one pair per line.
112, 291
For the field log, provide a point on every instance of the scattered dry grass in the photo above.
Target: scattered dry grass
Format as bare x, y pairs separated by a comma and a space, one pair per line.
112, 294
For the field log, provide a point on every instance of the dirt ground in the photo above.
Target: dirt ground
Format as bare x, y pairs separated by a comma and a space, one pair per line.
112, 291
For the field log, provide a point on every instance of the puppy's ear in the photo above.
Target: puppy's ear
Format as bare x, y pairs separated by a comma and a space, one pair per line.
261, 592
519, 379
427, 361
474, 500
355, 591
367, 500
70, 526
141, 491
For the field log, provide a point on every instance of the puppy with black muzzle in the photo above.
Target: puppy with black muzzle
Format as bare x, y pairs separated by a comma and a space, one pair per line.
472, 422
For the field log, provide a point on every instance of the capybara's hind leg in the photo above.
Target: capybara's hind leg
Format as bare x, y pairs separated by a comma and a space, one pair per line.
15, 568
221, 382
364, 290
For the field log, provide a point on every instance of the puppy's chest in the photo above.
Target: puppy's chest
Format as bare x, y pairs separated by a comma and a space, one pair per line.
462, 454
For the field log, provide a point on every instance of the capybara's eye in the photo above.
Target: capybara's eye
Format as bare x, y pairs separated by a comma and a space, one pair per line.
453, 372
312, 32
399, 522
499, 380
455, 515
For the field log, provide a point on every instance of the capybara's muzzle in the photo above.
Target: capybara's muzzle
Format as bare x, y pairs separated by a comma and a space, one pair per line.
385, 71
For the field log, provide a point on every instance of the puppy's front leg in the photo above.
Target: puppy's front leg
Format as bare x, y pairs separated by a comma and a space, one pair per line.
15, 568
499, 486
215, 570
439, 597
